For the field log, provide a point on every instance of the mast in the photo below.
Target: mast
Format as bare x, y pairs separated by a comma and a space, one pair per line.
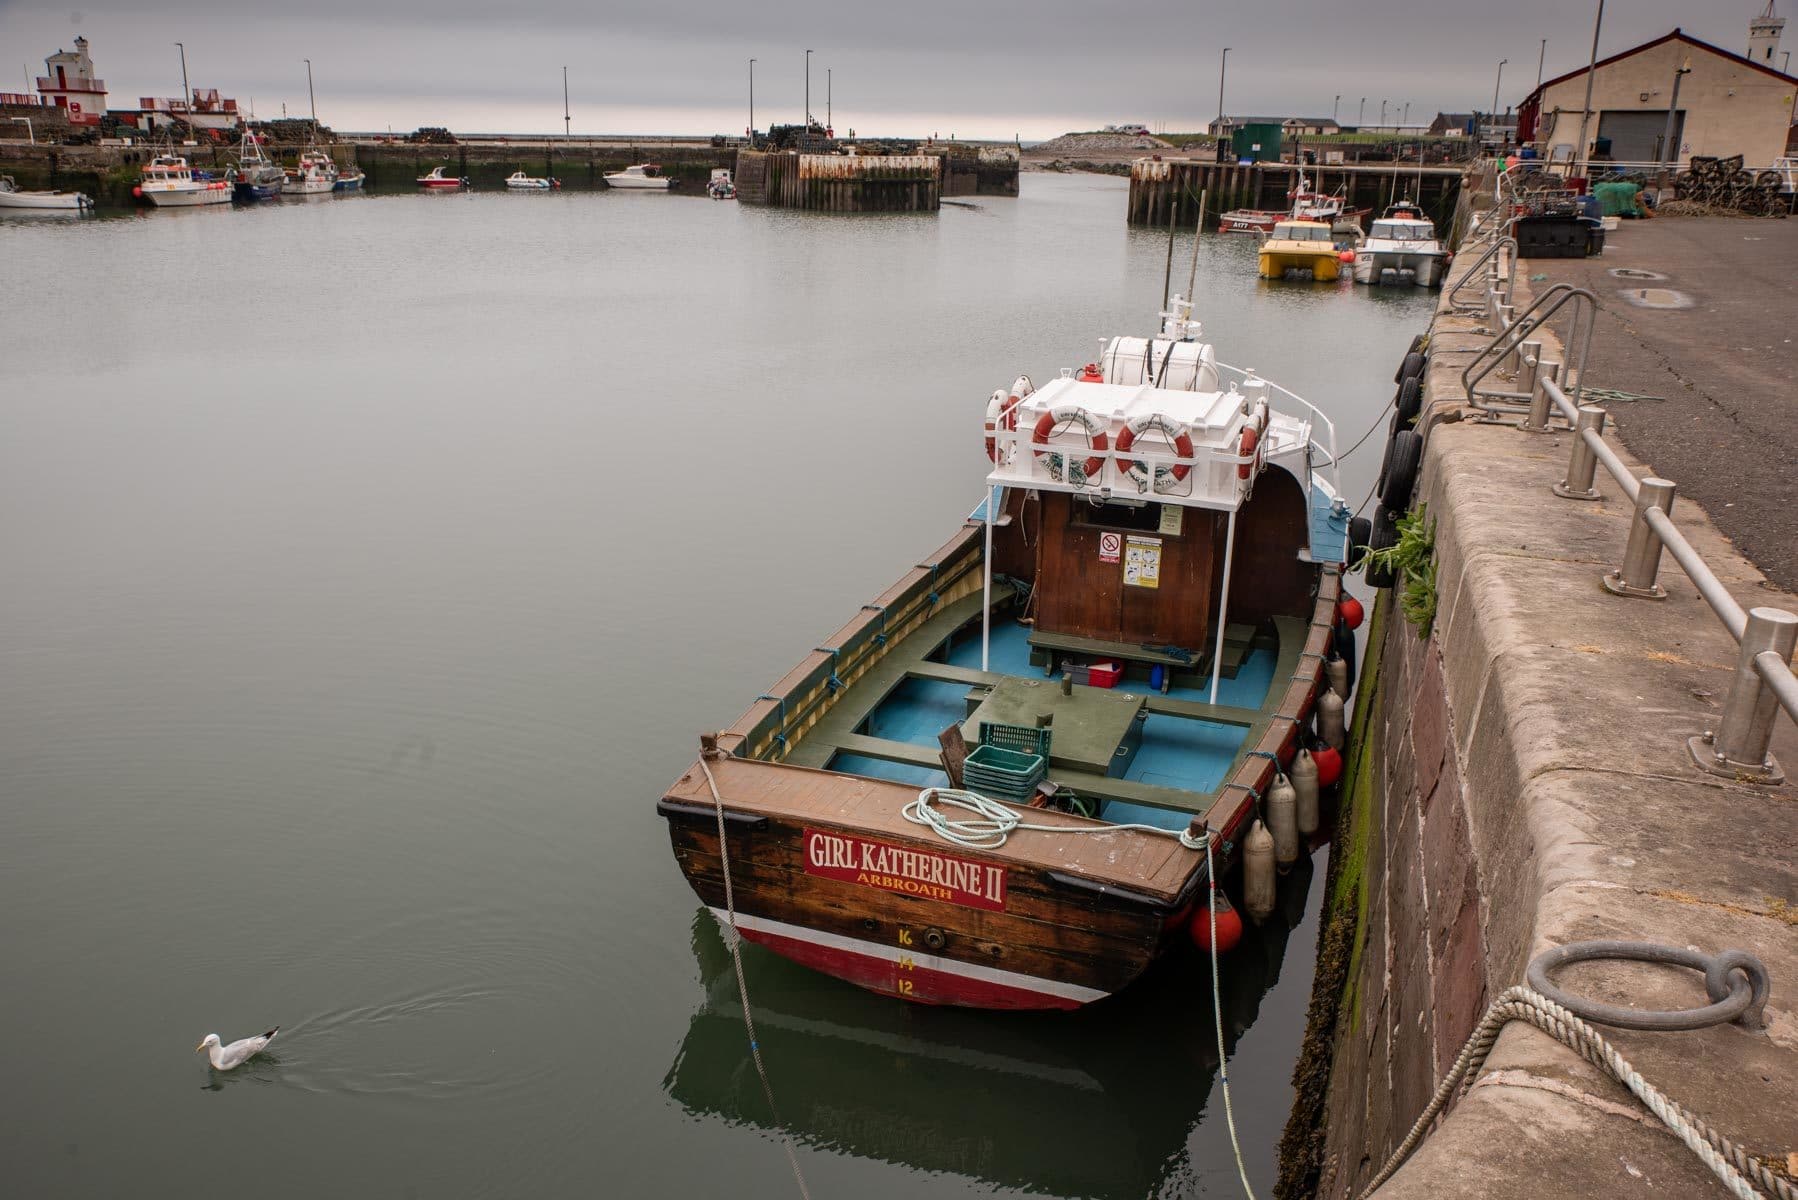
187, 97
567, 118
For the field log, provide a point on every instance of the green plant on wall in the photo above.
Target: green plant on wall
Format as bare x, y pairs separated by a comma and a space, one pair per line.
1412, 560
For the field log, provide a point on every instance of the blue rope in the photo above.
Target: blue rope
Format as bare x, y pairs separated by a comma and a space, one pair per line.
833, 683
933, 597
880, 635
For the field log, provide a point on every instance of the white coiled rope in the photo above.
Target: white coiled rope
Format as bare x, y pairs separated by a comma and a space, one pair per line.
993, 823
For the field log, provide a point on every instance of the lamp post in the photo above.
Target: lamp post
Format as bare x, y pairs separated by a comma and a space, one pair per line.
1222, 66
1334, 106
1382, 114
1580, 156
808, 96
1361, 117
1669, 147
567, 113
1495, 83
827, 122
752, 103
1541, 57
187, 103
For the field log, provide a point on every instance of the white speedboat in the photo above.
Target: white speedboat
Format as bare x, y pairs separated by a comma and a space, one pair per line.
518, 181
168, 182
437, 181
315, 175
1402, 247
53, 201
646, 177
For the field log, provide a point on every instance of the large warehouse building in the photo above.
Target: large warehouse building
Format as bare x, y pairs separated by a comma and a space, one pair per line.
1728, 103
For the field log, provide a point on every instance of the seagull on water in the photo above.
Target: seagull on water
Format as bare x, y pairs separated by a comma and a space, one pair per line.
237, 1053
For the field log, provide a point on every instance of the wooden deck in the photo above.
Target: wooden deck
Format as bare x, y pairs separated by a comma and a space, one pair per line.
1153, 864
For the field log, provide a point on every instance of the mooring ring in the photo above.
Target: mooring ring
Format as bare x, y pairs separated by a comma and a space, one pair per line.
1735, 980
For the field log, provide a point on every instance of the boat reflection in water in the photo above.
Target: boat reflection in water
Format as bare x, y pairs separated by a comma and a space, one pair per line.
1099, 1102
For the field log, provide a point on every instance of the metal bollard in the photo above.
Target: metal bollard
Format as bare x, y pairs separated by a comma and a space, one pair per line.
1582, 464
1737, 748
1642, 556
1541, 407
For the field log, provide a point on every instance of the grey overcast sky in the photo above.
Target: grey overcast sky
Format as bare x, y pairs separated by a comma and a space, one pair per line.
974, 68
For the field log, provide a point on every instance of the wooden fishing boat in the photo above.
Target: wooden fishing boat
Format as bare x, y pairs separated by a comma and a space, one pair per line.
1306, 205
1122, 503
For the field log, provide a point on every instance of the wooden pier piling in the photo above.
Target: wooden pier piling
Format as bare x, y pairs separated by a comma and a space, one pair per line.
1158, 185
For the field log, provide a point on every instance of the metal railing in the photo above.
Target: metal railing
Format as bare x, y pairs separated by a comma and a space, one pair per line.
1739, 742
1524, 358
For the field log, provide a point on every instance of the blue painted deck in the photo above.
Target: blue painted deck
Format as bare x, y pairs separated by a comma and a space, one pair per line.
1176, 752
1329, 529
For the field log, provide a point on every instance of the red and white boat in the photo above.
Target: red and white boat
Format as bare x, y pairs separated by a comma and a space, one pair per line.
437, 181
837, 823
1307, 205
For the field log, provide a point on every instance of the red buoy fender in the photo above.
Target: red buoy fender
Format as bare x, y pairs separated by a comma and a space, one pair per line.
1090, 373
1329, 765
1095, 429
1351, 612
1251, 437
1229, 924
1181, 438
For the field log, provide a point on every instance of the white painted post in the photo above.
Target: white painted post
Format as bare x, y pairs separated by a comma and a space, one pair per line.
1223, 606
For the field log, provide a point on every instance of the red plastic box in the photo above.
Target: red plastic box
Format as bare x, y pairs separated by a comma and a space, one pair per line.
1105, 674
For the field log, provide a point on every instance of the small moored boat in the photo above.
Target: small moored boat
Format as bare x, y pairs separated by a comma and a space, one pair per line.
721, 186
1301, 246
437, 181
1402, 247
1307, 205
518, 181
315, 174
646, 177
1130, 632
55, 201
169, 182
349, 179
258, 177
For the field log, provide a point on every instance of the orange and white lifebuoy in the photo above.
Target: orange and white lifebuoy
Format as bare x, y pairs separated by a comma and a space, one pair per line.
1177, 433
1250, 444
1096, 432
1001, 412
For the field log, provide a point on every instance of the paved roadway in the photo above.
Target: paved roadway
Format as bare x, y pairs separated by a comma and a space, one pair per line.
1723, 372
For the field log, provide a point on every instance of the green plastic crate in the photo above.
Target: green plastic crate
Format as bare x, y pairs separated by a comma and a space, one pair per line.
1003, 774
1025, 738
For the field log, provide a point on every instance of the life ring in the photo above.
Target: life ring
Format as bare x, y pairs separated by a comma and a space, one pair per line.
1174, 431
1251, 438
1095, 431
1001, 410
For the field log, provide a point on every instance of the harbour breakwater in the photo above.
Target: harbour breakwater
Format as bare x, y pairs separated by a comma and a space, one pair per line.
1518, 779
837, 183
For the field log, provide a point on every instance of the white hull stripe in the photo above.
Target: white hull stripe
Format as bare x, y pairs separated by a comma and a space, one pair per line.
881, 953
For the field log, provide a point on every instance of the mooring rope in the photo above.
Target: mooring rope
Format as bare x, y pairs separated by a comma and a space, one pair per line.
1726, 1160
735, 939
1217, 1020
994, 823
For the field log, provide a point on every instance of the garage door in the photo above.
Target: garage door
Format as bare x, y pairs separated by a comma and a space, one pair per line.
1636, 136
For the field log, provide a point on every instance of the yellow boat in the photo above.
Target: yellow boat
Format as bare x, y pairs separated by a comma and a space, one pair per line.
1300, 246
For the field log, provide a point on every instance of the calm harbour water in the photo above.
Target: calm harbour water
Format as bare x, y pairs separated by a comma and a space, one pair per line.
372, 565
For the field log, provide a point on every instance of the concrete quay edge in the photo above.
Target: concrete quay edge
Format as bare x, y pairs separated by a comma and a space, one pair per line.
1570, 709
